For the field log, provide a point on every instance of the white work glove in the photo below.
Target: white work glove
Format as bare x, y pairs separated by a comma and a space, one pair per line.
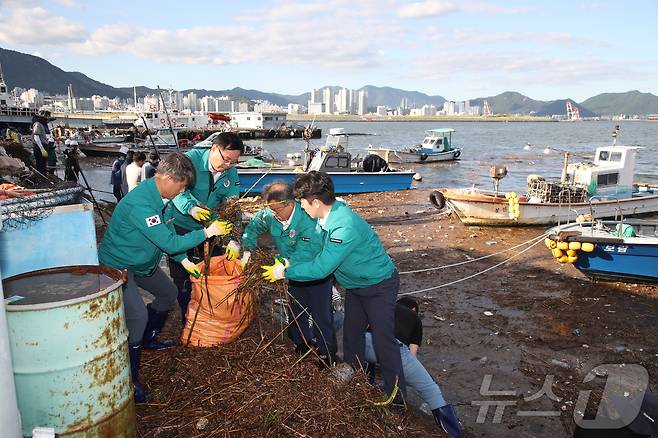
191, 268
276, 271
199, 213
218, 228
232, 250
245, 259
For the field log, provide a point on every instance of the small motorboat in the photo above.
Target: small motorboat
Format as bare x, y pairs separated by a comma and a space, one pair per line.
437, 146
599, 189
624, 250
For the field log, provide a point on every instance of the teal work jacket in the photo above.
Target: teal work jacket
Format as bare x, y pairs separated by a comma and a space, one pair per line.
352, 251
301, 241
141, 229
206, 191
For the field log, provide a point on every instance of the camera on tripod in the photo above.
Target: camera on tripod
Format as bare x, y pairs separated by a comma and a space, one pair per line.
71, 164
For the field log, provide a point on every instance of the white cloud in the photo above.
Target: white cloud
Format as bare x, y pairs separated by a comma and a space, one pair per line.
447, 39
429, 8
35, 26
526, 68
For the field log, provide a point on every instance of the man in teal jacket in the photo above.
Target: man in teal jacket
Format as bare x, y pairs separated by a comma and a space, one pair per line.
299, 239
216, 181
139, 232
355, 255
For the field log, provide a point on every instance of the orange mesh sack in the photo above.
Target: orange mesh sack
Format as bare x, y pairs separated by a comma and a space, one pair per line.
216, 314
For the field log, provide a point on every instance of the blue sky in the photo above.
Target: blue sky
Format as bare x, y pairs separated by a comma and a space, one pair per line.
457, 49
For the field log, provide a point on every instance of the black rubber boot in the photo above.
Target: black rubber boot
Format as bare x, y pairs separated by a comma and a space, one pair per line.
140, 392
446, 417
153, 327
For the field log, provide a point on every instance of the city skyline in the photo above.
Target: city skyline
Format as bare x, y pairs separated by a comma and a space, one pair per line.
459, 50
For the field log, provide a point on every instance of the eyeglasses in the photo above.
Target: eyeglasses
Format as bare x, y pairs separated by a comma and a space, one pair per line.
229, 161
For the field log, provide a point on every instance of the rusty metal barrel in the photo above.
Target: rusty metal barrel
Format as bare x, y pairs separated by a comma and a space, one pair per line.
69, 348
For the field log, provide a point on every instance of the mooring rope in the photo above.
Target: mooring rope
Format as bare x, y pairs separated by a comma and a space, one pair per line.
257, 181
452, 265
476, 274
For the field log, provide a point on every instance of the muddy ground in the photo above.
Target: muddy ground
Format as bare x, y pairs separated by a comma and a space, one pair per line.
544, 322
546, 318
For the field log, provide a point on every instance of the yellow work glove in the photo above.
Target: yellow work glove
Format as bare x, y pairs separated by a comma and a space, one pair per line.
245, 259
44, 153
191, 268
218, 228
232, 250
199, 213
276, 271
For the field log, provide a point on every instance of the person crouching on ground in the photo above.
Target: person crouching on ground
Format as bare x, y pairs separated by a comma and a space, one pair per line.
139, 232
216, 181
298, 238
353, 252
409, 331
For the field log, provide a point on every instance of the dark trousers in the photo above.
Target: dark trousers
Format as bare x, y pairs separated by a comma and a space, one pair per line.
118, 193
40, 160
374, 305
160, 286
314, 298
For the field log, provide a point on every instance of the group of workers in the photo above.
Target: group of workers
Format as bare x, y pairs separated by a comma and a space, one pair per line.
320, 240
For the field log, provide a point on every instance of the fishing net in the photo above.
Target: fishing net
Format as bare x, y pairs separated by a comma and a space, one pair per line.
21, 207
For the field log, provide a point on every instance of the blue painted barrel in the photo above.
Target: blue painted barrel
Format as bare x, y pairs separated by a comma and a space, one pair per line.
69, 348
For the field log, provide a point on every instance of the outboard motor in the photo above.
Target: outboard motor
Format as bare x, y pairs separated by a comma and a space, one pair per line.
375, 163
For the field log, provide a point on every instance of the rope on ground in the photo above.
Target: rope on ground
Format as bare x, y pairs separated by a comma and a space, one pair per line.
473, 275
452, 265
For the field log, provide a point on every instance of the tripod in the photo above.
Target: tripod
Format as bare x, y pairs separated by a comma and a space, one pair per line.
71, 172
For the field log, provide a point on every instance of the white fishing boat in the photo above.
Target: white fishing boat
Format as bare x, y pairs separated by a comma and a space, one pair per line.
437, 146
586, 191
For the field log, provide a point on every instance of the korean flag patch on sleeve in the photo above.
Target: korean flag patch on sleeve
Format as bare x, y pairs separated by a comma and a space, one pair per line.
153, 221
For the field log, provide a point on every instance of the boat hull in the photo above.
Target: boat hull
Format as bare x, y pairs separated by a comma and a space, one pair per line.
479, 208
344, 182
626, 262
400, 157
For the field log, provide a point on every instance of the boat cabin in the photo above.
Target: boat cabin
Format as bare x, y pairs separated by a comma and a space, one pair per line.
333, 156
611, 173
437, 140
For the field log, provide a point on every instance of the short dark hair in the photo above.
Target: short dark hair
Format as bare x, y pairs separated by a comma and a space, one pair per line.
179, 167
229, 141
315, 185
409, 302
130, 156
277, 191
153, 156
139, 156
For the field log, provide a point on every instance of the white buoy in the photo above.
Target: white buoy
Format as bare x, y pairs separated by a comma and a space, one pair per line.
10, 421
418, 177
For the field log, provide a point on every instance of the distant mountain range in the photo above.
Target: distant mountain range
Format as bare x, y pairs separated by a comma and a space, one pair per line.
29, 71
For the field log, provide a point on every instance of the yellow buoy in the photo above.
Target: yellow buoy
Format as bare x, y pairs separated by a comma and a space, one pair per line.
587, 247
563, 245
563, 259
572, 259
572, 253
548, 242
557, 253
575, 246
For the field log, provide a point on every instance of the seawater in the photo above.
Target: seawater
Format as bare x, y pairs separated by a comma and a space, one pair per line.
483, 144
